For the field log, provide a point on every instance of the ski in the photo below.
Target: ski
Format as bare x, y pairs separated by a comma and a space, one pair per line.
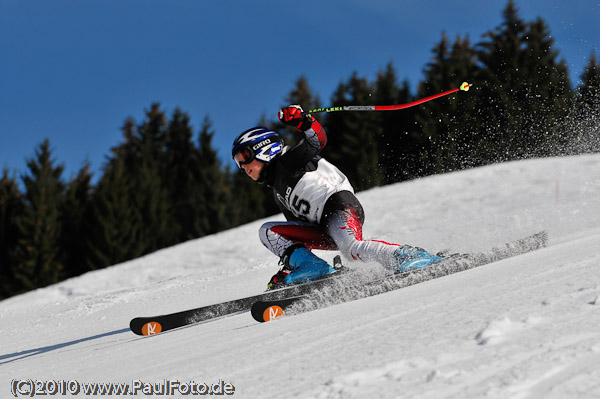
270, 310
156, 324
265, 310
340, 287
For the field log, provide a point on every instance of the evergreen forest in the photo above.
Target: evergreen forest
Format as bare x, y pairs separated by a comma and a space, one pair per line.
164, 182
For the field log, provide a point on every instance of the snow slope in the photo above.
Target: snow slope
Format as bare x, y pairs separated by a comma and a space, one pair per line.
525, 327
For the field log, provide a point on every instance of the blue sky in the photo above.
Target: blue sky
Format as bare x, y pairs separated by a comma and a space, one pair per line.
73, 71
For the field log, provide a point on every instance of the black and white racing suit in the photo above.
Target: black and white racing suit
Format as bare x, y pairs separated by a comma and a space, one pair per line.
319, 203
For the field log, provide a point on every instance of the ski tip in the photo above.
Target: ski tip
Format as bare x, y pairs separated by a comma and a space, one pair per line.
273, 312
263, 312
140, 328
151, 328
465, 86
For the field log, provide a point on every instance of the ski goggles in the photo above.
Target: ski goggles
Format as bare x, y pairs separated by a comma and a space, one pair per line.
243, 157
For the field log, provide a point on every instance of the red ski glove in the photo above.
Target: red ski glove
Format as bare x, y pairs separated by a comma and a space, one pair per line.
293, 115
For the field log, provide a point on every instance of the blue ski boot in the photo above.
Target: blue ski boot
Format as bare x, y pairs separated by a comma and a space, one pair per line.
299, 266
409, 258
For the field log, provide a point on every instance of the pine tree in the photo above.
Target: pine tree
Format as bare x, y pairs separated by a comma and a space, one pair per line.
301, 95
11, 208
395, 143
132, 212
447, 137
38, 249
212, 183
116, 222
589, 90
75, 218
501, 57
435, 146
585, 123
145, 170
548, 95
464, 126
152, 199
353, 136
181, 179
526, 90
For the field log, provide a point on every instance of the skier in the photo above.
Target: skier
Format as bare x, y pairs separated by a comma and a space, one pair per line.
318, 202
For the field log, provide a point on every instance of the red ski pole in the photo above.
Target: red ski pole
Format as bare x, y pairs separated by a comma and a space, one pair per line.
464, 87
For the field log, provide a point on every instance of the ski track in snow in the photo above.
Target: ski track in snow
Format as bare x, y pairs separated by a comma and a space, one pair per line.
524, 327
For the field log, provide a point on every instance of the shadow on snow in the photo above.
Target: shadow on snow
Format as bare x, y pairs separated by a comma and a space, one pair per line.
9, 358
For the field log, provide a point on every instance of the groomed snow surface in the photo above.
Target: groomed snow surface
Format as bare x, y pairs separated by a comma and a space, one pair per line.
525, 327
